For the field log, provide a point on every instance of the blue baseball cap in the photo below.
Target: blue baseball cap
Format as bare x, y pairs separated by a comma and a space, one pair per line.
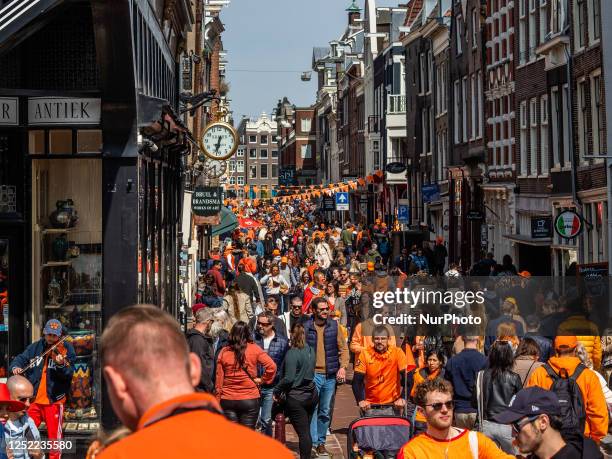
529, 402
53, 327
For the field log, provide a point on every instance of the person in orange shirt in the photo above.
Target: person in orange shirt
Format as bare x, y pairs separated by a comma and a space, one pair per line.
434, 398
566, 364
150, 376
380, 375
434, 368
51, 377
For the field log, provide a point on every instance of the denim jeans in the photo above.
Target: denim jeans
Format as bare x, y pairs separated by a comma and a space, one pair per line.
326, 386
265, 410
500, 434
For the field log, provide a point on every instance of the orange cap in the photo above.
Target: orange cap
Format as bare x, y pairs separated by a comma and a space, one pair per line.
525, 274
568, 342
284, 260
276, 252
370, 266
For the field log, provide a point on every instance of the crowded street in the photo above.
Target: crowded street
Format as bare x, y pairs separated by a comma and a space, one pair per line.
348, 229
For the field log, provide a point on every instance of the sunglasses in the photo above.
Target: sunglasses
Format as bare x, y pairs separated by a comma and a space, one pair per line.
518, 426
27, 399
438, 406
263, 324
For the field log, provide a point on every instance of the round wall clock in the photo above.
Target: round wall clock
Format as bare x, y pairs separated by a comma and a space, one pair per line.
219, 141
213, 168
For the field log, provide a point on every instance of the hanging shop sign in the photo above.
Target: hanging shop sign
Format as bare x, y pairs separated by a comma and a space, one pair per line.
9, 111
541, 227
568, 224
595, 276
475, 215
329, 203
395, 168
206, 201
63, 110
430, 192
286, 176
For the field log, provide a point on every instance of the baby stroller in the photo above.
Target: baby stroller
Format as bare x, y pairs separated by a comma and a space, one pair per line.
378, 437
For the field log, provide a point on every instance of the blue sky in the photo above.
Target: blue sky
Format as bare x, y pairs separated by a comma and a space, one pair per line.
276, 35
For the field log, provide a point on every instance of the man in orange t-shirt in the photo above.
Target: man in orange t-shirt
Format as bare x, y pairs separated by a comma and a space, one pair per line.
434, 398
150, 376
379, 379
51, 377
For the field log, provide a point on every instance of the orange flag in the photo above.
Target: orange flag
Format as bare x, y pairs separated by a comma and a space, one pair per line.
379, 173
361, 181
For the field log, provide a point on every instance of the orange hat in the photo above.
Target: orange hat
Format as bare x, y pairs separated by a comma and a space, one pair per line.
370, 266
284, 259
276, 252
567, 342
525, 274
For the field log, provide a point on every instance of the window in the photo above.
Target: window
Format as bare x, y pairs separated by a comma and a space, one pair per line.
275, 139
429, 72
263, 171
425, 130
494, 133
305, 124
240, 180
441, 91
579, 24
480, 111
422, 74
583, 134
594, 20
306, 151
597, 114
544, 22
89, 141
522, 34
252, 139
523, 145
533, 30
275, 153
263, 140
475, 27
232, 180
240, 165
458, 30
457, 112
544, 166
464, 114
474, 106
232, 165
240, 153
555, 113
533, 136
274, 170
253, 171
252, 153
566, 123
263, 153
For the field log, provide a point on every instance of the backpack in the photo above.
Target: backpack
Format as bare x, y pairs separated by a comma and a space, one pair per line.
573, 412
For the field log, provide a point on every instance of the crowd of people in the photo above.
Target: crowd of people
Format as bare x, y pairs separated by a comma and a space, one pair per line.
283, 316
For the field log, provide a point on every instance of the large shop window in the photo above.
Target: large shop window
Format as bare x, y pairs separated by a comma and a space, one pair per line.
67, 257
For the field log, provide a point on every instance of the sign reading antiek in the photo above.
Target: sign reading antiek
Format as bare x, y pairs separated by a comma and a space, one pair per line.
206, 200
63, 110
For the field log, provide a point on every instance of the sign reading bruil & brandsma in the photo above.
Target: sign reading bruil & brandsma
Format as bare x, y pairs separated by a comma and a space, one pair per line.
63, 110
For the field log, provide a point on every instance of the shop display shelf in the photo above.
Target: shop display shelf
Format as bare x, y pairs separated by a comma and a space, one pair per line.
56, 230
56, 264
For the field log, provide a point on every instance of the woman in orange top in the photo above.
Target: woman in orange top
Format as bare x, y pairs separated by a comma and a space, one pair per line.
433, 370
237, 382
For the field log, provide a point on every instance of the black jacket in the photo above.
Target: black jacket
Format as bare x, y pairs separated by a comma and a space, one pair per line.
497, 392
202, 346
248, 285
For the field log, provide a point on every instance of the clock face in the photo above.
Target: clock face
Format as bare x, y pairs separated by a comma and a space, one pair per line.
219, 141
213, 168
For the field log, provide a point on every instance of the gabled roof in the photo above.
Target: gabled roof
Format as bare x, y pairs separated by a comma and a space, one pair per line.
414, 10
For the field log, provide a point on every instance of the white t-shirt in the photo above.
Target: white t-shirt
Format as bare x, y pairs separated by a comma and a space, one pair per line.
267, 341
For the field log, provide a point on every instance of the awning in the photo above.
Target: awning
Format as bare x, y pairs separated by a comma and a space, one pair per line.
528, 240
17, 16
228, 222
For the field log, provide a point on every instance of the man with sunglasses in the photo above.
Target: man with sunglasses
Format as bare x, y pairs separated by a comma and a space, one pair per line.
441, 440
271, 306
534, 414
19, 427
275, 345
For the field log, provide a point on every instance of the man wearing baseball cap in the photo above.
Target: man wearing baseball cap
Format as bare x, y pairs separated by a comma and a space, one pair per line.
51, 377
535, 417
565, 364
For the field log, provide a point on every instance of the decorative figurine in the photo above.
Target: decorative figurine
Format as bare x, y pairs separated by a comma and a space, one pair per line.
65, 215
